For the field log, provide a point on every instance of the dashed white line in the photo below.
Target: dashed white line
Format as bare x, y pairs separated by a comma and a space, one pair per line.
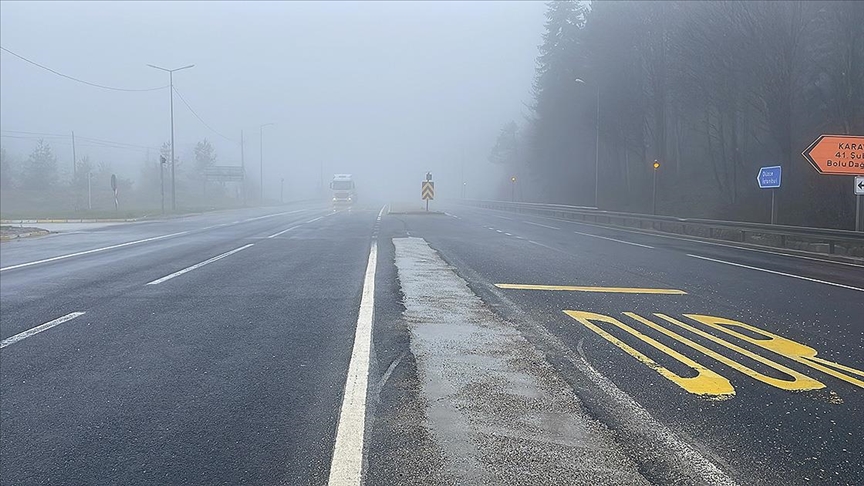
274, 215
36, 330
314, 219
508, 234
778, 273
499, 231
541, 225
694, 240
283, 232
95, 250
613, 239
346, 467
199, 265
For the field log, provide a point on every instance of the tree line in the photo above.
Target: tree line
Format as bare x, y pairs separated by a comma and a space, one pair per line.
39, 172
710, 90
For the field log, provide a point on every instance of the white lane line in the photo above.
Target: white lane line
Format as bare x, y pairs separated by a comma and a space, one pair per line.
499, 231
199, 265
36, 330
346, 467
693, 240
283, 231
777, 273
273, 215
541, 225
508, 234
315, 219
612, 239
95, 250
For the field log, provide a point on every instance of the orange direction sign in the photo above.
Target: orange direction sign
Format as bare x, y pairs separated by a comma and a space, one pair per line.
837, 154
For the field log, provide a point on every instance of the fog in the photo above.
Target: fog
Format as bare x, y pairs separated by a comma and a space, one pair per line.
383, 90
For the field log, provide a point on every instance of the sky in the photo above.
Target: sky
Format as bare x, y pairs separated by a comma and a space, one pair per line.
384, 90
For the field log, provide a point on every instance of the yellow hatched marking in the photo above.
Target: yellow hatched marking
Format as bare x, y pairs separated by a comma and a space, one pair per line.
706, 382
571, 288
798, 382
784, 347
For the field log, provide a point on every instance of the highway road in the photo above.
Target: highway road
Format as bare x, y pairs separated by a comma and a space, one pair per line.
297, 345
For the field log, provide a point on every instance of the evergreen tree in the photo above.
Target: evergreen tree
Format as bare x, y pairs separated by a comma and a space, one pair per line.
41, 169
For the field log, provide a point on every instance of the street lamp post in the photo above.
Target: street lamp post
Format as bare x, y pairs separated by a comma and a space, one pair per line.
261, 155
654, 190
281, 190
596, 147
171, 89
89, 198
513, 189
162, 163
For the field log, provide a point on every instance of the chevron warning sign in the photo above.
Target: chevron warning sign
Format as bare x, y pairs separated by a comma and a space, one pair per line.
427, 191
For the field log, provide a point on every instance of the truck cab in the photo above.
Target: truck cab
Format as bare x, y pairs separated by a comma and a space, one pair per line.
343, 191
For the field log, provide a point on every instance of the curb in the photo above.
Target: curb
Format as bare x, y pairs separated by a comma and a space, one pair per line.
23, 235
36, 221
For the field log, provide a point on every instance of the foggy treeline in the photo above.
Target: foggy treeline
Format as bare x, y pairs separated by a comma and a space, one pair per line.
36, 182
711, 90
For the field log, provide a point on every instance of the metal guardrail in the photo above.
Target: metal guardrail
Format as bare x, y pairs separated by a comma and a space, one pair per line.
820, 240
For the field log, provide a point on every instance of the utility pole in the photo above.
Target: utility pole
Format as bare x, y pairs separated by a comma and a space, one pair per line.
74, 159
243, 165
321, 179
261, 154
173, 158
597, 153
596, 146
89, 199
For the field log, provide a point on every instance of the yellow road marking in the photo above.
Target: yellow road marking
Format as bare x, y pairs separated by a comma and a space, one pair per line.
706, 382
784, 347
799, 381
571, 288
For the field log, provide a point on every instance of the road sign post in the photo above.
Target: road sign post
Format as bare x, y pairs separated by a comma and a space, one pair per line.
769, 178
114, 188
427, 190
859, 201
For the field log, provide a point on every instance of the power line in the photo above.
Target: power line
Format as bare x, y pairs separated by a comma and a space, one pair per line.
76, 79
201, 120
86, 140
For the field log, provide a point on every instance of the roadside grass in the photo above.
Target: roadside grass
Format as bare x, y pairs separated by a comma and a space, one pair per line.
65, 204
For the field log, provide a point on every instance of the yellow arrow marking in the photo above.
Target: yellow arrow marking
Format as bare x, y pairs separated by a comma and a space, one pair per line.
571, 288
706, 382
782, 346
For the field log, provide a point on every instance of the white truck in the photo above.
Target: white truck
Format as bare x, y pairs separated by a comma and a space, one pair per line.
343, 191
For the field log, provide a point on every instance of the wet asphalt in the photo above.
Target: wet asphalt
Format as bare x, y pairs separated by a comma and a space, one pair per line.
760, 435
233, 373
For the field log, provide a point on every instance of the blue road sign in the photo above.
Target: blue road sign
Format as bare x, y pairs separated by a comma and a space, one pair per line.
769, 177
